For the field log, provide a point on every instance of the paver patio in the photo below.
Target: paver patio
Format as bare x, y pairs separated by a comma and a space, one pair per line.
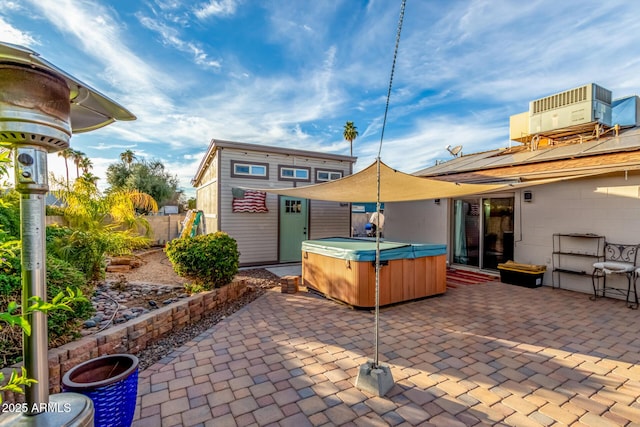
484, 354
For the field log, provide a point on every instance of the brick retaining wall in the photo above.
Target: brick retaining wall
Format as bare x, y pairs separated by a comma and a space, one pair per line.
134, 335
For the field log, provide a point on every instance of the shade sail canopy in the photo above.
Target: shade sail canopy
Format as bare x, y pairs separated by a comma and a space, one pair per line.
395, 186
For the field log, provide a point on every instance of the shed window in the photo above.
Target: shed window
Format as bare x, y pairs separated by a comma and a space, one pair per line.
322, 175
254, 170
294, 173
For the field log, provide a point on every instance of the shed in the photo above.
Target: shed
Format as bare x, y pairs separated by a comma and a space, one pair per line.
269, 228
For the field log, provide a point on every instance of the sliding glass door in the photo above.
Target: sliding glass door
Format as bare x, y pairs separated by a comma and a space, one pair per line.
483, 231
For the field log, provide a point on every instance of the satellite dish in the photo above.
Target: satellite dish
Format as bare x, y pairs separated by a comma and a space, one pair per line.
455, 150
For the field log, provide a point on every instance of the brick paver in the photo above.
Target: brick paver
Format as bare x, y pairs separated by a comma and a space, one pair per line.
485, 354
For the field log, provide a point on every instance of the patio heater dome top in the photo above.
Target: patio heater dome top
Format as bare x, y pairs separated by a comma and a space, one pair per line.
43, 105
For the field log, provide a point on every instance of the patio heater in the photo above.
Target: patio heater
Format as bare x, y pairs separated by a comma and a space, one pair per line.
40, 107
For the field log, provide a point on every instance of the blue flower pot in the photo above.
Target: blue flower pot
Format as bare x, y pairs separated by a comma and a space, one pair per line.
111, 382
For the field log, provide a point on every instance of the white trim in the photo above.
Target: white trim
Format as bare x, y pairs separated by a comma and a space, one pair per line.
295, 172
212, 181
250, 166
328, 172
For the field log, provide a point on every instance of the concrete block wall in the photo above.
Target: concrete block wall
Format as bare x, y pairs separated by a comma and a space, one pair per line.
133, 336
164, 228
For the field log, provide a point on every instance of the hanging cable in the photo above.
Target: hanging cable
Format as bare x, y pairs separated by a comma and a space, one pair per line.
393, 67
384, 122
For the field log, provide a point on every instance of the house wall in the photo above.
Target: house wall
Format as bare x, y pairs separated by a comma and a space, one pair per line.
419, 221
257, 233
606, 205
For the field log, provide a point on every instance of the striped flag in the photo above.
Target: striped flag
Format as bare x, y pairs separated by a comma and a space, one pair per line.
249, 201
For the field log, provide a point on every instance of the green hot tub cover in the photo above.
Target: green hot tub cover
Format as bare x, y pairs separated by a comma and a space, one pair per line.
365, 249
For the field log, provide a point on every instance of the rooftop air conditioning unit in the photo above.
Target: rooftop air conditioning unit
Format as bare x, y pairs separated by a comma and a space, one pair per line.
584, 104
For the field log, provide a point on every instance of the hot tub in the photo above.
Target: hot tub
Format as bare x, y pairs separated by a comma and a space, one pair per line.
344, 269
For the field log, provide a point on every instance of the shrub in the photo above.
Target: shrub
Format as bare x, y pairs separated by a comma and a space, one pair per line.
10, 214
63, 325
87, 250
209, 259
77, 248
54, 210
10, 287
9, 267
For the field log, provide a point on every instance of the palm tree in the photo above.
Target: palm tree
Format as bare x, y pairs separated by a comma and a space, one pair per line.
5, 161
89, 178
77, 158
66, 154
350, 134
86, 165
109, 222
128, 157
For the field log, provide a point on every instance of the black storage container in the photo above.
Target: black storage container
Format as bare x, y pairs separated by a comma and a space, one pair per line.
530, 276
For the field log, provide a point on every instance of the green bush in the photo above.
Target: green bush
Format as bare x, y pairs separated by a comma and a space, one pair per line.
87, 250
63, 326
78, 248
209, 259
9, 267
10, 214
54, 210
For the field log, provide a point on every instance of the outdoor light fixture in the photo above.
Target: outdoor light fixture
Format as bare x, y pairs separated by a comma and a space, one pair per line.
527, 195
40, 107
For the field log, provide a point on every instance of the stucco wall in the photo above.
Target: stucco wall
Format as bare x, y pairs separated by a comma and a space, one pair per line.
165, 228
608, 206
419, 221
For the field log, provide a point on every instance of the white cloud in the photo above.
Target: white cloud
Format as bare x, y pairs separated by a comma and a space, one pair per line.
98, 31
427, 141
170, 36
102, 146
10, 34
216, 8
461, 71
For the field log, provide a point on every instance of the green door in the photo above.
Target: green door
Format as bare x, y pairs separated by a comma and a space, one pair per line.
293, 228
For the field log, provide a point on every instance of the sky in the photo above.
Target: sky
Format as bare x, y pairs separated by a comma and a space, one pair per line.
292, 73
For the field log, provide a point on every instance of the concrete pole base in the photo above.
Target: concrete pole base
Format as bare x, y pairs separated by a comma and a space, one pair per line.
63, 409
373, 379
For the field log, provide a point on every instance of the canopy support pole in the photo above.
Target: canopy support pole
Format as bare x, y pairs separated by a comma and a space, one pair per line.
374, 377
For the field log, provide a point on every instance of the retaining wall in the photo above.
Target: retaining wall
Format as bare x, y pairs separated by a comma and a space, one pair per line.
134, 335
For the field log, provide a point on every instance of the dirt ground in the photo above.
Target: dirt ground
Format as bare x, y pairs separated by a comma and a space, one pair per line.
155, 269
